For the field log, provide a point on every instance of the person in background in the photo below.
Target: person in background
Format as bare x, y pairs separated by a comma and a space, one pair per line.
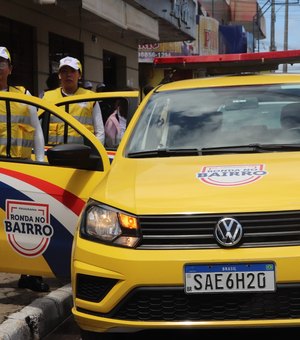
115, 125
30, 136
52, 83
88, 113
87, 85
100, 87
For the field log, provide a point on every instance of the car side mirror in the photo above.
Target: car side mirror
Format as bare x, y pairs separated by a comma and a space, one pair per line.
77, 156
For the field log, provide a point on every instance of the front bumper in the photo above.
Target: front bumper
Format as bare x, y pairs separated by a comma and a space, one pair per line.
136, 290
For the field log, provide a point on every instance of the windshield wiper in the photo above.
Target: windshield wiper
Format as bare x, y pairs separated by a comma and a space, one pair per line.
164, 153
250, 148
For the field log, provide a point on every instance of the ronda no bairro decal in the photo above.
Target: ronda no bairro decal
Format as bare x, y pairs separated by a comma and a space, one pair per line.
27, 227
231, 175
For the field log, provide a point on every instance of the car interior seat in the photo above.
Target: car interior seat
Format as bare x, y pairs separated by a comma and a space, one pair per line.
190, 129
290, 123
290, 116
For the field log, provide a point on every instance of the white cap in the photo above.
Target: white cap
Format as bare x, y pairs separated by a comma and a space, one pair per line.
4, 53
71, 62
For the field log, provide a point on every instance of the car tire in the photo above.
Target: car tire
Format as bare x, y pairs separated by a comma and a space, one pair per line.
87, 335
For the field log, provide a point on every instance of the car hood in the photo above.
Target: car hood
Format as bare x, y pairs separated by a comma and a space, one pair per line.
204, 184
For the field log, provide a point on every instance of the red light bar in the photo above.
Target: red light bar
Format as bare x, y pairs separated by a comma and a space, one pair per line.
231, 63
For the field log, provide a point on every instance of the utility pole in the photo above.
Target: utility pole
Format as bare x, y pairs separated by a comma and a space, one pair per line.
272, 30
286, 32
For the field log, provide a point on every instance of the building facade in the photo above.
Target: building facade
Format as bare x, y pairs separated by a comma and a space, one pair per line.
114, 39
222, 27
103, 34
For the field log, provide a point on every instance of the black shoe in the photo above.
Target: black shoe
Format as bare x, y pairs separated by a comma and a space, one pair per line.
34, 283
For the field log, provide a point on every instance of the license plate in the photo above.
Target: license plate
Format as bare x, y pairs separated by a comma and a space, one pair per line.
220, 278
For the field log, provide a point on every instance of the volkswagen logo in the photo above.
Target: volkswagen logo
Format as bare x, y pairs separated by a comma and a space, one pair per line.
228, 232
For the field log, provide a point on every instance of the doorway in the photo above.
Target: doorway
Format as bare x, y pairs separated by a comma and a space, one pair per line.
114, 71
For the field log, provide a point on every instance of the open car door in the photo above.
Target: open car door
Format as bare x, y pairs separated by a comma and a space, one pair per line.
107, 101
40, 201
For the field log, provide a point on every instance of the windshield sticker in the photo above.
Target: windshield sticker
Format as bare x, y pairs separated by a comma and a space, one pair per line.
27, 227
231, 175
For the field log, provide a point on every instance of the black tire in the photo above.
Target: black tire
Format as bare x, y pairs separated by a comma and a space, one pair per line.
87, 335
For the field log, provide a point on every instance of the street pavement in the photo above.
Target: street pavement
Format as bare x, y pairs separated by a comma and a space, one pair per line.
29, 315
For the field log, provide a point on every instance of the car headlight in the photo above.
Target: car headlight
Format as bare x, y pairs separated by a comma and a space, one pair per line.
105, 224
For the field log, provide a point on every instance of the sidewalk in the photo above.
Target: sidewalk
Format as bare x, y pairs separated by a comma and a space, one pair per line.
28, 315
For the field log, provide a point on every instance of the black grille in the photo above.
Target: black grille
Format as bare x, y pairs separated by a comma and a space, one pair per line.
264, 229
93, 288
172, 304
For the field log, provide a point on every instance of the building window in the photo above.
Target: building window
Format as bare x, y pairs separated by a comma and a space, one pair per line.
60, 47
20, 39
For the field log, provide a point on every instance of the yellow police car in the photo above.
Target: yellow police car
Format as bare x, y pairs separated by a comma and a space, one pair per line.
197, 222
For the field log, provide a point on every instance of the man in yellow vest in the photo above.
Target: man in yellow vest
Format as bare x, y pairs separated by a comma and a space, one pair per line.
88, 113
18, 138
25, 129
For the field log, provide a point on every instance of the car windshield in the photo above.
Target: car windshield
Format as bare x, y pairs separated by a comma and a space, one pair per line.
193, 120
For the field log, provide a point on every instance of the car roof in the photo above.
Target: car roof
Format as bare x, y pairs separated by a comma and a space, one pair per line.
231, 80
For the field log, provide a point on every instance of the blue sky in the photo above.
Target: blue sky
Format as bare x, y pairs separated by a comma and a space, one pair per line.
293, 27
